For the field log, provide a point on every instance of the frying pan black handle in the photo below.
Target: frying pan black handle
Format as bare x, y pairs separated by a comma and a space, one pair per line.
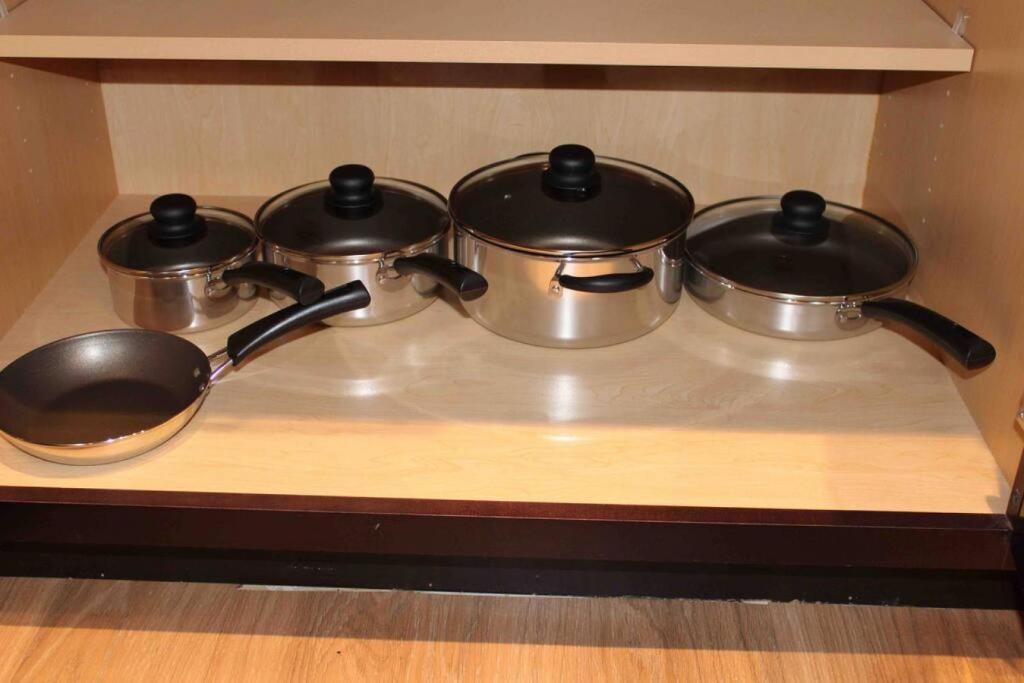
467, 284
965, 347
291, 283
607, 284
338, 300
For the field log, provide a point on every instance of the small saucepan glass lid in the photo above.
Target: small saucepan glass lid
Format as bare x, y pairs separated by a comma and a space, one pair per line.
353, 213
176, 235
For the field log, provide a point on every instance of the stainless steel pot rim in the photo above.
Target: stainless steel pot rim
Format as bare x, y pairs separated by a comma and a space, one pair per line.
562, 254
853, 297
357, 258
182, 272
565, 257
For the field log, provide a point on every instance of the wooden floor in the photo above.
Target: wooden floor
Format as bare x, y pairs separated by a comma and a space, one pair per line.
70, 630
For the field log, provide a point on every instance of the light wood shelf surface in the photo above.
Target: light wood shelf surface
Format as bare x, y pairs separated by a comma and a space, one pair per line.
827, 34
696, 413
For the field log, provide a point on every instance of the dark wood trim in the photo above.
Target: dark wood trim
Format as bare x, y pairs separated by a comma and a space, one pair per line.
505, 531
991, 590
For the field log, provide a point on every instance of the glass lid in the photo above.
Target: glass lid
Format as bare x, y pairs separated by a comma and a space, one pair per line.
571, 202
353, 213
177, 235
801, 245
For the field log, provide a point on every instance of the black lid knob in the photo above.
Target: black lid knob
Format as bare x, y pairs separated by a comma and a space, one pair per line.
175, 220
352, 187
802, 215
572, 173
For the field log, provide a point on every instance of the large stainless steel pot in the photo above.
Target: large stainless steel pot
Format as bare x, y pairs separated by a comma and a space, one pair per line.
393, 235
580, 251
799, 267
182, 268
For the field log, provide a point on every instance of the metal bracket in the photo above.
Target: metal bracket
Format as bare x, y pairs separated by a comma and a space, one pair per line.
960, 23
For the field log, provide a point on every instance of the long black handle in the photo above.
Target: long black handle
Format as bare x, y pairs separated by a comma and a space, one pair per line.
467, 284
607, 284
299, 286
255, 335
965, 347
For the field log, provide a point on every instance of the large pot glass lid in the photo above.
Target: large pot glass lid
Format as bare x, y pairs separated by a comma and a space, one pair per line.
801, 245
570, 202
177, 235
353, 213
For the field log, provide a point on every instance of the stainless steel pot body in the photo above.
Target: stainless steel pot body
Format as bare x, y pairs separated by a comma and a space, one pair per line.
525, 301
777, 315
392, 296
184, 301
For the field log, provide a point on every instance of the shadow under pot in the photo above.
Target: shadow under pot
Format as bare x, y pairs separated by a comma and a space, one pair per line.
183, 268
580, 251
801, 267
393, 235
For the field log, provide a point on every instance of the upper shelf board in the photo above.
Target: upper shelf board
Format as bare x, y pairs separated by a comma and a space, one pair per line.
897, 35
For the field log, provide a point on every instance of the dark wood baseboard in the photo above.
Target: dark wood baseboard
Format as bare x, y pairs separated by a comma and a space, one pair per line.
982, 590
508, 547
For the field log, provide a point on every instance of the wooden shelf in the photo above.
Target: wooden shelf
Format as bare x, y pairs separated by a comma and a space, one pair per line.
816, 34
696, 413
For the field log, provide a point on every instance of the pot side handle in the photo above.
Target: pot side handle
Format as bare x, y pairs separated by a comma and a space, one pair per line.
291, 283
965, 347
467, 284
607, 284
343, 299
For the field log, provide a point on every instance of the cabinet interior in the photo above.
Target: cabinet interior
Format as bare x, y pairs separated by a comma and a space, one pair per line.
434, 406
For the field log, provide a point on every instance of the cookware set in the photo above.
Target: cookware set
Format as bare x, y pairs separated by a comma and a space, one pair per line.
563, 249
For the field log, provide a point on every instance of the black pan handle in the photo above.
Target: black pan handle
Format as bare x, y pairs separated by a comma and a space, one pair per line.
291, 283
341, 299
607, 284
965, 347
467, 284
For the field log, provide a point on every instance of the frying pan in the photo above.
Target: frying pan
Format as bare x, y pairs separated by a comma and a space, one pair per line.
801, 267
106, 396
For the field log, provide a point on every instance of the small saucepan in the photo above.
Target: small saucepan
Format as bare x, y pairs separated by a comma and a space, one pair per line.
393, 235
800, 267
106, 396
182, 268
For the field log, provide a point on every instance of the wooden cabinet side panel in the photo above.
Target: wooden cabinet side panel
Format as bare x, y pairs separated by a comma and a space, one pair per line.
238, 128
56, 172
947, 162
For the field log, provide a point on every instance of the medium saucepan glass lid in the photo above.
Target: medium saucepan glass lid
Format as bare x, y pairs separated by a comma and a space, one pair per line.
177, 235
570, 202
353, 213
799, 245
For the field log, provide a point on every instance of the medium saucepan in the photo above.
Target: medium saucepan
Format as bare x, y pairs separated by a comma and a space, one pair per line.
391, 234
579, 251
182, 268
800, 267
106, 396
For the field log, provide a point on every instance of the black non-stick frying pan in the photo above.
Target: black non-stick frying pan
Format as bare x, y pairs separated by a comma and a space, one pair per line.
106, 396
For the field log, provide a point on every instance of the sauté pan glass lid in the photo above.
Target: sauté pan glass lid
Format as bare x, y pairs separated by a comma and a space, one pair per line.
176, 235
570, 201
353, 213
799, 245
